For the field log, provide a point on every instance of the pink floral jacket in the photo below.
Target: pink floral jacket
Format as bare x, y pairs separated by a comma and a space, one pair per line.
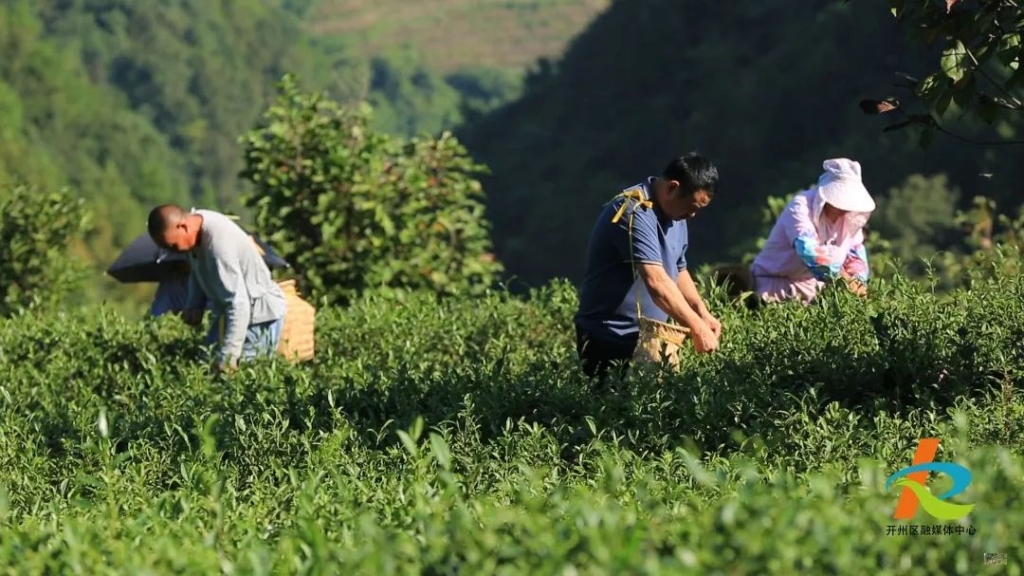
803, 245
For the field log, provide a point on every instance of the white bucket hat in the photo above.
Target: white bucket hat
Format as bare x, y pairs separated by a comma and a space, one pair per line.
841, 186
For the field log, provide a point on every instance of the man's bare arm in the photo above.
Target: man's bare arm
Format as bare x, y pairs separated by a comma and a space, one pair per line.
690, 294
667, 296
692, 297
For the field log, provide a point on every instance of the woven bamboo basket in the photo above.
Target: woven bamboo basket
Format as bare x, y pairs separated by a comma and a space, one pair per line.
297, 335
658, 341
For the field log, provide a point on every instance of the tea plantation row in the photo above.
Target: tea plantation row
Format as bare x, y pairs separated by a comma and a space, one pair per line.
435, 437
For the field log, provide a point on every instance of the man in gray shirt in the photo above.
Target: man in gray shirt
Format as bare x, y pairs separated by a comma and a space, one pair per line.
248, 306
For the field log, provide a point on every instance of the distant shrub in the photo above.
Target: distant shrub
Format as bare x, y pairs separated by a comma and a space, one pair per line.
37, 230
357, 211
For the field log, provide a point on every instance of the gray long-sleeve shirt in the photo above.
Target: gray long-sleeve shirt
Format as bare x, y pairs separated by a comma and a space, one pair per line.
227, 267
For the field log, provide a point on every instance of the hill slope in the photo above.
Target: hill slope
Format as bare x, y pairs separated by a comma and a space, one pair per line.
453, 34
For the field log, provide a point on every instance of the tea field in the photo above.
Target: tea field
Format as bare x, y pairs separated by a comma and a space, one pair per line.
443, 437
453, 34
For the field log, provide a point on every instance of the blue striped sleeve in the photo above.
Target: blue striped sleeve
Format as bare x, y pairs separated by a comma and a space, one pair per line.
815, 256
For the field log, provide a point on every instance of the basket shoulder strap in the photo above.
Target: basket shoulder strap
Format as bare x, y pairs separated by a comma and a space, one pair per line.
635, 195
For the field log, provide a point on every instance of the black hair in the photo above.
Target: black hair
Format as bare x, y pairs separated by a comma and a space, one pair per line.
693, 172
163, 217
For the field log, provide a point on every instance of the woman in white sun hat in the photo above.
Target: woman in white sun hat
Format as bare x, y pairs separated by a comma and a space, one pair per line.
818, 238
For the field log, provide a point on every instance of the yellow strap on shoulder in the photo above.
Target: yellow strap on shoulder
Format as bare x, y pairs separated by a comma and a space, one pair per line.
635, 194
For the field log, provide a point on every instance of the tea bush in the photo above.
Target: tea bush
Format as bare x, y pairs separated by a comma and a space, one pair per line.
38, 232
443, 436
355, 210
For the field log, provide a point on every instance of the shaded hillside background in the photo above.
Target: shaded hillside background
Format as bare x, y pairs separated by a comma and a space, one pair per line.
134, 103
766, 90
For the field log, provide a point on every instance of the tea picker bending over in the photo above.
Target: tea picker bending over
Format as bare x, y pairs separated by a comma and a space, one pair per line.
248, 306
818, 238
636, 267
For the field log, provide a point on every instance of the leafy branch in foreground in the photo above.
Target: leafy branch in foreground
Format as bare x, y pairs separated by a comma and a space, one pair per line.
356, 210
978, 70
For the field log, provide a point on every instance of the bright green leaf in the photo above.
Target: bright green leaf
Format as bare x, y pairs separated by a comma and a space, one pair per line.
954, 61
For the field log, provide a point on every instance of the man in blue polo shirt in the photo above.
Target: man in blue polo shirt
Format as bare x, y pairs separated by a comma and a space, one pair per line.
607, 327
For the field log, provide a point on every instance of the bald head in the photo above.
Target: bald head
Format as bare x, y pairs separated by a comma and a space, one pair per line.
162, 218
173, 228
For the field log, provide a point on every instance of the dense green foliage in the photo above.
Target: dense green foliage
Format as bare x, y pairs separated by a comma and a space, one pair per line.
977, 74
119, 453
61, 128
38, 232
410, 99
134, 104
198, 71
435, 435
355, 210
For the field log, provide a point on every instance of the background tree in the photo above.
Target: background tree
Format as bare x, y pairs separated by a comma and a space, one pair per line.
918, 219
356, 210
973, 92
976, 78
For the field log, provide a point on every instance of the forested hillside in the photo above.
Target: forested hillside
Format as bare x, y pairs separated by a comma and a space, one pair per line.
136, 103
437, 64
766, 90
130, 104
